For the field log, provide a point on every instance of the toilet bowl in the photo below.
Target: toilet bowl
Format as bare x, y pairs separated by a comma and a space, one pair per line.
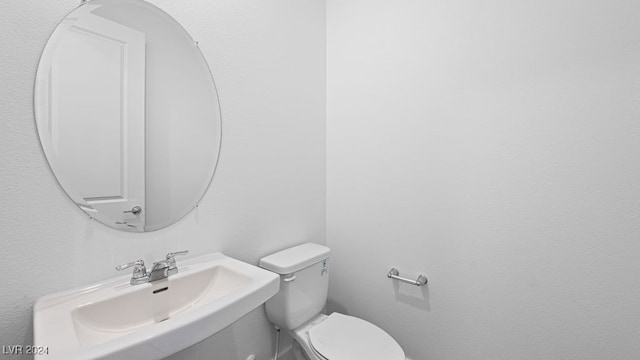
297, 307
342, 337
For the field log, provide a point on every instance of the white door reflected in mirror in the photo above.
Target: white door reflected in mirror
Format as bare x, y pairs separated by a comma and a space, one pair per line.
127, 114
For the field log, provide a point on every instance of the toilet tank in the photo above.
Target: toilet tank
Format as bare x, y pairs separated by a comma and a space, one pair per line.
304, 282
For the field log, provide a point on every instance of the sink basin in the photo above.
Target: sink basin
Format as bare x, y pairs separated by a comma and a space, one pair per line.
115, 320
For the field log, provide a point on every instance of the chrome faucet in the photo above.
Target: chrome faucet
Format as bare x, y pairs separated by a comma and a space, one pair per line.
160, 270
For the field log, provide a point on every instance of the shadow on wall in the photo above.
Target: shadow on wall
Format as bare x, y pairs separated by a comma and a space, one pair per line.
415, 296
332, 306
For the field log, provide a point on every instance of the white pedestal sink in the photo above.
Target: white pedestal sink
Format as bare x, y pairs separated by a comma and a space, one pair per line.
116, 320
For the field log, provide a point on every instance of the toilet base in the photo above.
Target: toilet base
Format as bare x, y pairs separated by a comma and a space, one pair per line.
302, 349
298, 351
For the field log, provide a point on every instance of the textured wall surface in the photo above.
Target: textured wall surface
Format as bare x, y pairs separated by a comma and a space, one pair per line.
492, 145
495, 146
268, 60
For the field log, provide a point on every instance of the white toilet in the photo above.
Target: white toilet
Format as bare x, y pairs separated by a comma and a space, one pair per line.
304, 282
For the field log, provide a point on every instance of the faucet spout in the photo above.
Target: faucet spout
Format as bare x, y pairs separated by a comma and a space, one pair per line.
159, 271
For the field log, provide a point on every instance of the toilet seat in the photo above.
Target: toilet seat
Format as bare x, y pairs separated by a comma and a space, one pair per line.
343, 337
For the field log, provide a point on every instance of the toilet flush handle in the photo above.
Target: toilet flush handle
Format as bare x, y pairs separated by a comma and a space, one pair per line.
290, 278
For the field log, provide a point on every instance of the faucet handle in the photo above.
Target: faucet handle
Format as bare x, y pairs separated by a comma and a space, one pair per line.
172, 255
139, 271
137, 263
173, 269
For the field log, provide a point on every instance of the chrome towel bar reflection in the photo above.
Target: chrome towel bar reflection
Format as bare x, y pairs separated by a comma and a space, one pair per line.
394, 274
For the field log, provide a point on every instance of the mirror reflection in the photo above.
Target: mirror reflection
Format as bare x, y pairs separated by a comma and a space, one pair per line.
127, 114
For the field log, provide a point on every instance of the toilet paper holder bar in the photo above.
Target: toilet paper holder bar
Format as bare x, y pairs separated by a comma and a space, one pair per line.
395, 274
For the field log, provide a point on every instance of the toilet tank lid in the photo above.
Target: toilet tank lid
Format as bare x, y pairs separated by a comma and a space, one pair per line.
296, 258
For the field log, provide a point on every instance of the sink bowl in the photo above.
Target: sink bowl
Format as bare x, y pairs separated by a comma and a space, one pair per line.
115, 320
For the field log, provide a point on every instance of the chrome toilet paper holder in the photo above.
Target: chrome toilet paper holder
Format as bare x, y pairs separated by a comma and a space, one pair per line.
395, 274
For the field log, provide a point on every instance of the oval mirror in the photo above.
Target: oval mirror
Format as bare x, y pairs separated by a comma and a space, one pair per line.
127, 114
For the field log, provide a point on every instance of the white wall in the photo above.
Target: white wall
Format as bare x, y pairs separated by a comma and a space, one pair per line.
268, 59
494, 146
491, 145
